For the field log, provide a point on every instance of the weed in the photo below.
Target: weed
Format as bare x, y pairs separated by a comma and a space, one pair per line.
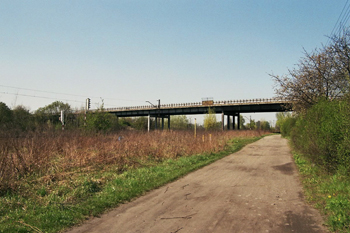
78, 176
328, 192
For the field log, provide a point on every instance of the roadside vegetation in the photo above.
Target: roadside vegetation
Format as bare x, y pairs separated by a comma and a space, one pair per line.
319, 127
52, 180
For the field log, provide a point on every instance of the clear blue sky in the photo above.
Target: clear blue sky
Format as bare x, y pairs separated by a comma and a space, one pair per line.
129, 51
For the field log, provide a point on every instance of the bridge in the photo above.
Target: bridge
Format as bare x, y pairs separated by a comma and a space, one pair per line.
229, 108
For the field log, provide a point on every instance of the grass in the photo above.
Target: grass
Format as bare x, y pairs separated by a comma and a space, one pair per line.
86, 176
330, 193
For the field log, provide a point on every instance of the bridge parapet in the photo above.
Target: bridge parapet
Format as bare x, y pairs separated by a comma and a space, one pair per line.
199, 104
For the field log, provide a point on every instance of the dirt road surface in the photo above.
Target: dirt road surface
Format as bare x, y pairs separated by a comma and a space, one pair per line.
254, 190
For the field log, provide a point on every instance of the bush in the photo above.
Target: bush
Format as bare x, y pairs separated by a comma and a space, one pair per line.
287, 126
323, 134
285, 122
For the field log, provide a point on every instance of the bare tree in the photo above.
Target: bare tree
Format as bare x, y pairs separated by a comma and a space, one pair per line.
323, 73
341, 53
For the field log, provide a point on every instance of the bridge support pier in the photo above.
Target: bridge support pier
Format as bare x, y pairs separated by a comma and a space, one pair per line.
234, 121
169, 122
238, 121
149, 122
231, 125
228, 121
223, 120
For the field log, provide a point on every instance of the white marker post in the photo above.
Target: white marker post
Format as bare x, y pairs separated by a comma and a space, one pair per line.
62, 119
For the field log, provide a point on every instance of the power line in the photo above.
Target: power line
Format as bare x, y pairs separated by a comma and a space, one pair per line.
42, 97
58, 93
50, 92
341, 17
58, 99
346, 18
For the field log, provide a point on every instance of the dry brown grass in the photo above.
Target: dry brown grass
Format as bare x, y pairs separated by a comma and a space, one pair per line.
48, 154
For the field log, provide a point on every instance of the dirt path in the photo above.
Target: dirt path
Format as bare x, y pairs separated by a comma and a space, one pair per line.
254, 190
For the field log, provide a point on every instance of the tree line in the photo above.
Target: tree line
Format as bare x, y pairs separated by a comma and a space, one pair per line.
20, 119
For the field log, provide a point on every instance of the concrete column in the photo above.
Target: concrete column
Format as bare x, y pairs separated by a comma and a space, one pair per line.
238, 121
223, 120
149, 123
162, 122
234, 121
156, 123
228, 121
169, 122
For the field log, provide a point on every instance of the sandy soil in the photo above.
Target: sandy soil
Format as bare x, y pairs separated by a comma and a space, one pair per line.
254, 190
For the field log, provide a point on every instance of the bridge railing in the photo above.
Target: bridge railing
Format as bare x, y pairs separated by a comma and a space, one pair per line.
195, 104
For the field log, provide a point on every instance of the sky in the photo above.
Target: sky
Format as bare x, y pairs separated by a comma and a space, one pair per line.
127, 52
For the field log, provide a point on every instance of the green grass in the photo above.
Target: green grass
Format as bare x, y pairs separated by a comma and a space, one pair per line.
53, 203
330, 193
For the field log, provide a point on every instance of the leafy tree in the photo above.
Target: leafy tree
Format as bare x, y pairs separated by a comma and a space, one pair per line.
264, 125
22, 118
285, 122
140, 123
5, 115
50, 114
101, 121
179, 122
241, 122
210, 120
55, 108
251, 124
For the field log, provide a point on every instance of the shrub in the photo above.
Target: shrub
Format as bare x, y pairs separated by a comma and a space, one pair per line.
323, 134
285, 122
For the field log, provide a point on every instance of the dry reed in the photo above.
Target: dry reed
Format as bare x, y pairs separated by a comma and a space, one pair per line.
50, 153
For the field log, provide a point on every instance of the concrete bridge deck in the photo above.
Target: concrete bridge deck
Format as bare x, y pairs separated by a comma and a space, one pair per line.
229, 108
226, 107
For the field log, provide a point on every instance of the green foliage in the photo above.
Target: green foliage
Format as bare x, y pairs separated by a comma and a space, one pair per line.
22, 119
140, 123
5, 116
329, 192
323, 133
91, 186
263, 125
100, 121
50, 113
210, 120
251, 124
178, 122
241, 122
125, 122
54, 108
285, 123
